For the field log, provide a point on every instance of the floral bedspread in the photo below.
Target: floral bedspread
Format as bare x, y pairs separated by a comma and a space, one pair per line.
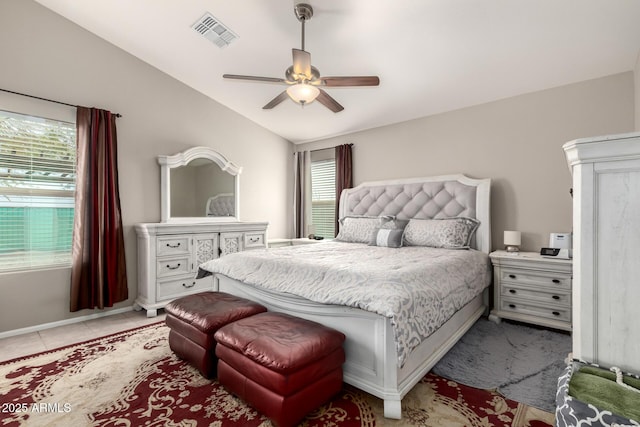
418, 288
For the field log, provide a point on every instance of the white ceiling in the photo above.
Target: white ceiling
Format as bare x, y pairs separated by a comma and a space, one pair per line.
431, 56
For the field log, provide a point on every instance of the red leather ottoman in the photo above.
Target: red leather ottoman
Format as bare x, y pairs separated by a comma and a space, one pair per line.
195, 318
283, 366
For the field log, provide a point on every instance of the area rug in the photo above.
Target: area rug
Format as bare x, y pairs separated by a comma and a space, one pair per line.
133, 379
521, 362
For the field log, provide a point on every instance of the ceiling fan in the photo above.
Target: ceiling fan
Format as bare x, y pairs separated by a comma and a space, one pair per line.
303, 79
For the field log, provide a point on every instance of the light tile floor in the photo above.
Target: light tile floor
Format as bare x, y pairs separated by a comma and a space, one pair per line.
49, 339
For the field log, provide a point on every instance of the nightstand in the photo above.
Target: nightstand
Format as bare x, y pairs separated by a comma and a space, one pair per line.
278, 243
531, 288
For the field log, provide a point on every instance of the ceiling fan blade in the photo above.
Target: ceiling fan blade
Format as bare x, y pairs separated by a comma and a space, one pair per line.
325, 99
350, 81
254, 78
277, 100
301, 62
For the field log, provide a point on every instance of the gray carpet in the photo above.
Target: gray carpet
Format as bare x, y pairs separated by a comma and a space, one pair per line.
522, 363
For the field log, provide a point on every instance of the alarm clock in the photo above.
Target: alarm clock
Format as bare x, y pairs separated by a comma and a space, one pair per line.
556, 253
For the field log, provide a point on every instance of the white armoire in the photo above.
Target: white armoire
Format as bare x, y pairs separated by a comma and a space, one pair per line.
606, 249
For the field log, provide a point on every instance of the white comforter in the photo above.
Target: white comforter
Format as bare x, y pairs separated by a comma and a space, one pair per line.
418, 288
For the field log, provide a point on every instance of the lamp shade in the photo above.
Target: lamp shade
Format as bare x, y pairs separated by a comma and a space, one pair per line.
512, 238
303, 93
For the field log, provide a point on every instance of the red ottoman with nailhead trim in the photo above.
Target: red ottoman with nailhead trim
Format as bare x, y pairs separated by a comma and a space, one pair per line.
193, 320
283, 366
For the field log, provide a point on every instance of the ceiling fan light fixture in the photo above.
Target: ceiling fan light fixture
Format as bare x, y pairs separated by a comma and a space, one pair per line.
303, 93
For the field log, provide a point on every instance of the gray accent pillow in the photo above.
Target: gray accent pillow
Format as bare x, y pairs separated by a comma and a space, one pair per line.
387, 237
390, 234
450, 233
359, 229
392, 223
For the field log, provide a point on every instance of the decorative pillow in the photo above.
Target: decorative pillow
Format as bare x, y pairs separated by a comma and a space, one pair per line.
387, 237
450, 233
359, 229
390, 233
394, 223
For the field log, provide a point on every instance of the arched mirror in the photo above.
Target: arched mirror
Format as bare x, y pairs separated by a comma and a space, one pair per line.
199, 185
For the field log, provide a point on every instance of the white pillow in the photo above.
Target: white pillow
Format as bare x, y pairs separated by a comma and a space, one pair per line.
450, 233
355, 229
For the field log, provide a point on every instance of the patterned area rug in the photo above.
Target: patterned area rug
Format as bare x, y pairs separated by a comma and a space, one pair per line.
133, 379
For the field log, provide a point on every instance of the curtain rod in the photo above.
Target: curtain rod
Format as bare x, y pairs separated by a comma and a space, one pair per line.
48, 100
329, 148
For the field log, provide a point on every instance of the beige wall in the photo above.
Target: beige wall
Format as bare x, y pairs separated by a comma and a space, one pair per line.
636, 73
517, 142
45, 55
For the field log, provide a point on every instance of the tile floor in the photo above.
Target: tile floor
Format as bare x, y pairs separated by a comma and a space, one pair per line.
49, 339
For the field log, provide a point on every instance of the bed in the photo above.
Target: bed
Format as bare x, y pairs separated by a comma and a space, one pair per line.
389, 346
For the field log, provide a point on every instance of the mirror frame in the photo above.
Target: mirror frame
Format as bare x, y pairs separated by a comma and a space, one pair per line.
184, 158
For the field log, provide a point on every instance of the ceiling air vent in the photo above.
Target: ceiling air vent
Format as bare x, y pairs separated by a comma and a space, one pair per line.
215, 31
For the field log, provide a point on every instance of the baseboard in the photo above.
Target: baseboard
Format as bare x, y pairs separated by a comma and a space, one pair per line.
64, 322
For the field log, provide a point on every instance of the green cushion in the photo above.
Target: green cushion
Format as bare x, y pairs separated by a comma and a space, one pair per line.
605, 373
598, 387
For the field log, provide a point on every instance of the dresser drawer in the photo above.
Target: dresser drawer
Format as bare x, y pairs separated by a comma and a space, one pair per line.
254, 240
530, 308
173, 266
172, 245
539, 295
177, 288
526, 277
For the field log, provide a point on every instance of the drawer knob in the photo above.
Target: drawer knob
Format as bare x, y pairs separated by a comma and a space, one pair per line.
513, 291
173, 268
556, 297
177, 245
189, 286
556, 281
512, 276
512, 306
555, 313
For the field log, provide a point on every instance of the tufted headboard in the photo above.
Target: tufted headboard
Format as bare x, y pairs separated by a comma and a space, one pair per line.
424, 198
221, 205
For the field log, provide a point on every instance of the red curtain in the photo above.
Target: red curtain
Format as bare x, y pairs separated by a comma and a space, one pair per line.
98, 274
344, 174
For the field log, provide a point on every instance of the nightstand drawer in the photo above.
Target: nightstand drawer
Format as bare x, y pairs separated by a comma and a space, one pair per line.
172, 245
176, 288
254, 240
173, 266
518, 306
548, 279
540, 295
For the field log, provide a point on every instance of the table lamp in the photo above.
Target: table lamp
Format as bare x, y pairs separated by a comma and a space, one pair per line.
512, 240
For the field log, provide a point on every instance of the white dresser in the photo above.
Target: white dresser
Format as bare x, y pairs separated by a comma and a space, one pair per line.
531, 288
169, 255
606, 249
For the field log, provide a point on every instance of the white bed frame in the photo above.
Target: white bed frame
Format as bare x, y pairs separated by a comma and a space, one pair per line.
371, 357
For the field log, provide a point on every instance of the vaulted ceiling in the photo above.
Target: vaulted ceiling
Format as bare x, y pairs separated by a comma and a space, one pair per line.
432, 56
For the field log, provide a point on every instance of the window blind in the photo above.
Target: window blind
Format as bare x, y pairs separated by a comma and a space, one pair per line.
37, 184
323, 197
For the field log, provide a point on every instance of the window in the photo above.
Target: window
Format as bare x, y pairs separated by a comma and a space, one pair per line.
37, 184
323, 196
